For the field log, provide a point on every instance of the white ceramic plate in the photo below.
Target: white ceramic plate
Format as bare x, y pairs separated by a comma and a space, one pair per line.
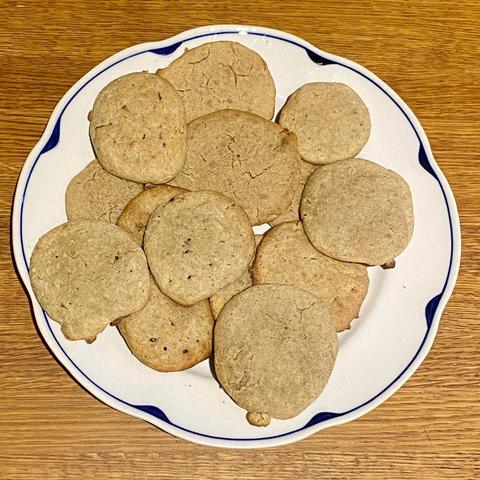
400, 315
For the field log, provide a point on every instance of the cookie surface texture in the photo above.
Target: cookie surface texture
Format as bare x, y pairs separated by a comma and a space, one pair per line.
87, 273
330, 120
137, 128
220, 75
274, 348
251, 160
219, 299
293, 211
98, 195
286, 256
357, 211
166, 336
135, 215
196, 244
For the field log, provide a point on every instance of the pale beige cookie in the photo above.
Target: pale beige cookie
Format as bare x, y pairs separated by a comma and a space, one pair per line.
286, 256
274, 348
330, 120
134, 217
292, 213
220, 75
137, 127
98, 195
219, 299
87, 273
196, 244
166, 336
252, 160
357, 211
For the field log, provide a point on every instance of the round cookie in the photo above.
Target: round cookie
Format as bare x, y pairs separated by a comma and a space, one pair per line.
252, 160
220, 75
330, 120
98, 195
196, 244
137, 127
274, 347
134, 217
292, 212
219, 299
166, 336
87, 273
357, 211
286, 256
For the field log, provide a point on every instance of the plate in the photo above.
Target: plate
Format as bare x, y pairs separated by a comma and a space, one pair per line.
400, 315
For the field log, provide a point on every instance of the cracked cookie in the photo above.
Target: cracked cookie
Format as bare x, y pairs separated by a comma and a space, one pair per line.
220, 75
251, 160
134, 217
330, 120
98, 195
357, 211
87, 273
274, 350
286, 256
137, 128
196, 244
166, 336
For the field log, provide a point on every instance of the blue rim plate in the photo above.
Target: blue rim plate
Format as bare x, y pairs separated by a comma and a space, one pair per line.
399, 318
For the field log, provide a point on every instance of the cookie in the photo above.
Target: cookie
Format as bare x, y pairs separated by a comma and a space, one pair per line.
220, 75
196, 244
219, 299
274, 350
134, 217
286, 256
166, 336
330, 120
137, 128
251, 160
98, 195
87, 273
357, 211
292, 212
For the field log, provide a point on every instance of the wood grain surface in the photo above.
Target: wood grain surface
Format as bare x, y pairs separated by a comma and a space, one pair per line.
428, 51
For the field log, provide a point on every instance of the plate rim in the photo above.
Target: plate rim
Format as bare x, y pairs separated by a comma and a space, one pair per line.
433, 310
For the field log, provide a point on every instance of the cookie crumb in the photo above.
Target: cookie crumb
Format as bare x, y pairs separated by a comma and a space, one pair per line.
388, 265
258, 419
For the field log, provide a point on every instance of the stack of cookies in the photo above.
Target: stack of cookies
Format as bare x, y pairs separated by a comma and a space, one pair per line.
159, 239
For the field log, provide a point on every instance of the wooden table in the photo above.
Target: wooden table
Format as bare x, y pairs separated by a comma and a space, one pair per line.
428, 51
